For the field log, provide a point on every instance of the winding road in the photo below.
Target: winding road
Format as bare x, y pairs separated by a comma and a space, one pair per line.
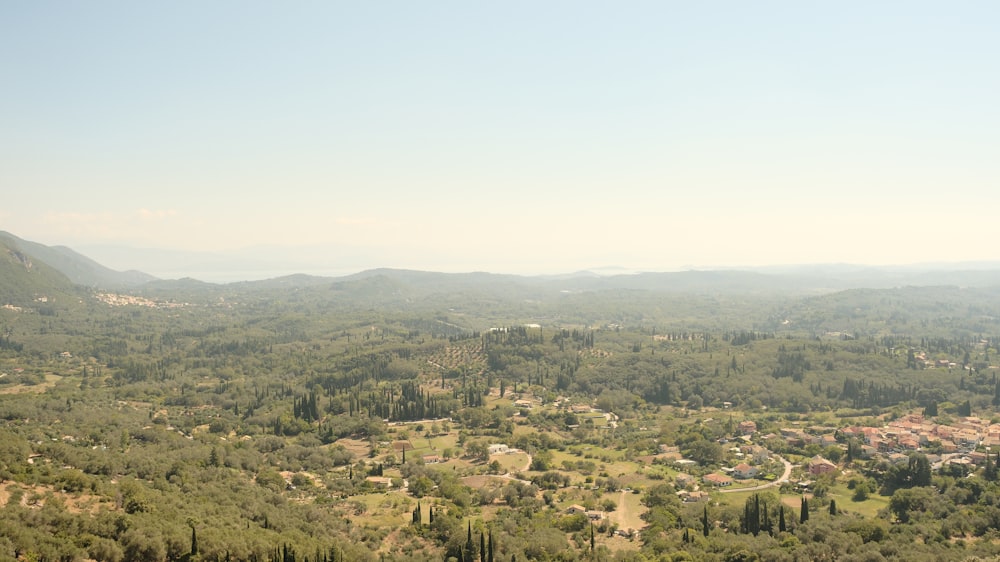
776, 482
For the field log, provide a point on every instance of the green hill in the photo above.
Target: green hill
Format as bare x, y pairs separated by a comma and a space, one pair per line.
26, 281
78, 268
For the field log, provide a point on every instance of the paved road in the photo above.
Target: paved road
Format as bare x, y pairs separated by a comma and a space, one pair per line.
776, 482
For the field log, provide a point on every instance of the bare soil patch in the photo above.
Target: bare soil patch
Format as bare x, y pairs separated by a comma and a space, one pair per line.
36, 496
360, 449
50, 381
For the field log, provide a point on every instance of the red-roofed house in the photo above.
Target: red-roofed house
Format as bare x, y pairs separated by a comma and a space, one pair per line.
819, 465
743, 471
718, 480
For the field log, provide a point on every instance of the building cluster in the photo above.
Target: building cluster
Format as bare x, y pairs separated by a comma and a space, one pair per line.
114, 299
964, 441
922, 360
956, 442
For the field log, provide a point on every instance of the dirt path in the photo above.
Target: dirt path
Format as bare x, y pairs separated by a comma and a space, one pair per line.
624, 515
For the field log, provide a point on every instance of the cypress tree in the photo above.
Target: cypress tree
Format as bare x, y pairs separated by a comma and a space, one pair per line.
833, 507
781, 518
804, 511
467, 553
489, 555
704, 522
756, 514
194, 542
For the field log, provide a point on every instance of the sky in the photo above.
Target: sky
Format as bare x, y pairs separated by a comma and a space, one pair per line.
513, 137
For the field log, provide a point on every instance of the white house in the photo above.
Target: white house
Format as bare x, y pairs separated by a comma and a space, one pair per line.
499, 449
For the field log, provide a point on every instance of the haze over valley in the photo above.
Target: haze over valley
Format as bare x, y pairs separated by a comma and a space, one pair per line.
523, 281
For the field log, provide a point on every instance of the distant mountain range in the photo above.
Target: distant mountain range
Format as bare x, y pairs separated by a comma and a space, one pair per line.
28, 269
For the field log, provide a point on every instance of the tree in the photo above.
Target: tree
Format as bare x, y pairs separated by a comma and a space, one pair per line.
965, 409
861, 491
781, 518
989, 469
931, 410
467, 554
833, 507
705, 452
478, 450
906, 502
920, 470
194, 542
489, 555
804, 510
704, 521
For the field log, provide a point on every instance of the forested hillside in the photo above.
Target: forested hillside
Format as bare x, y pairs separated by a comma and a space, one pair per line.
416, 416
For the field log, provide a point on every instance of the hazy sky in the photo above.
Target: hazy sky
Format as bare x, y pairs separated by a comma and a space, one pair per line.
509, 136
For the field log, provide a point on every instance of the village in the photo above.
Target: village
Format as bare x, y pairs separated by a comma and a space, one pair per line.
965, 441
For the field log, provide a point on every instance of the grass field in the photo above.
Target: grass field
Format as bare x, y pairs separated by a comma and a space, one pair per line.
511, 463
628, 515
867, 508
839, 492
